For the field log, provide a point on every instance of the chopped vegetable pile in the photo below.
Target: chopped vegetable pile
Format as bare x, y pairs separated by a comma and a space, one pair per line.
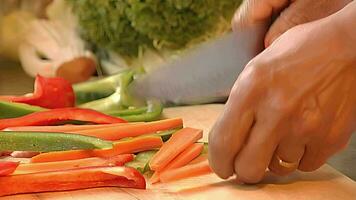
91, 145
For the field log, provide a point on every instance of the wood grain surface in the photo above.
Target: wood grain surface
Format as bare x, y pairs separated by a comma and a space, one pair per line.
325, 183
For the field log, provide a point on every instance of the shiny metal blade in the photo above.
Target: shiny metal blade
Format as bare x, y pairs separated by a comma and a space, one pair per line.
206, 74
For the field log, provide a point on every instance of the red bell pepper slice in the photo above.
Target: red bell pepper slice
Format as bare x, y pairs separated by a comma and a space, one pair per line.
7, 167
72, 180
30, 168
55, 116
49, 93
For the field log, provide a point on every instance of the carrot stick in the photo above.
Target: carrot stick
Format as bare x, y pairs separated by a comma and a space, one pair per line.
133, 130
65, 128
121, 147
155, 178
135, 145
61, 156
187, 171
179, 141
186, 156
119, 160
182, 159
199, 159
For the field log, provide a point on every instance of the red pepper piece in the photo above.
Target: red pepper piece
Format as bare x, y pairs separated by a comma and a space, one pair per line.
31, 168
7, 167
72, 180
49, 93
55, 116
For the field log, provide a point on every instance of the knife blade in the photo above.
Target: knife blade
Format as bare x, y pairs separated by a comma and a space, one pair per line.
204, 75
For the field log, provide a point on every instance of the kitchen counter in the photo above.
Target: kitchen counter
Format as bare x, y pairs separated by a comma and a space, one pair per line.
14, 81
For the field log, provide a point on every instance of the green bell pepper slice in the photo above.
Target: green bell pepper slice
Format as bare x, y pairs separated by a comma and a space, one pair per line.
141, 161
12, 110
47, 142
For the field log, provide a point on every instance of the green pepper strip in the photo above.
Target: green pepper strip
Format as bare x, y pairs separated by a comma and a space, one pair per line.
153, 112
143, 158
141, 161
97, 89
118, 104
12, 110
118, 100
129, 111
47, 142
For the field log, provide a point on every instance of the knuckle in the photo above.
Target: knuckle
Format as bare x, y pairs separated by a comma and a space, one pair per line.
251, 76
249, 174
281, 103
311, 163
293, 18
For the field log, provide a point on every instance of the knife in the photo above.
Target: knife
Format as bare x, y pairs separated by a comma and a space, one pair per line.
205, 74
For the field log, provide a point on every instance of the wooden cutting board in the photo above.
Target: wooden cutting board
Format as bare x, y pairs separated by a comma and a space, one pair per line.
325, 183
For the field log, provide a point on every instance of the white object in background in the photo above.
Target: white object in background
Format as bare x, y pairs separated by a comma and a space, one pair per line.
48, 45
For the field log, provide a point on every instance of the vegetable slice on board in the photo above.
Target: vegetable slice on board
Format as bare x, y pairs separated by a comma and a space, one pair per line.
72, 180
49, 93
7, 167
29, 168
182, 159
141, 161
134, 145
132, 130
65, 128
187, 171
55, 116
46, 142
121, 147
12, 110
179, 141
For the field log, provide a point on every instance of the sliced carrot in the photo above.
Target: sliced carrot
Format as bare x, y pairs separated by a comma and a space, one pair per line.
179, 141
121, 147
186, 156
133, 130
199, 159
30, 168
187, 171
155, 177
135, 145
182, 159
66, 128
61, 156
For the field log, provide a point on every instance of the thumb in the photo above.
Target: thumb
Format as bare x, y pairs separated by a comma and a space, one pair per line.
300, 12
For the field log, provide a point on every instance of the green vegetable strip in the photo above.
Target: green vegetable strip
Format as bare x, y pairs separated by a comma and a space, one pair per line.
96, 89
141, 161
153, 112
129, 111
12, 110
165, 135
116, 101
47, 142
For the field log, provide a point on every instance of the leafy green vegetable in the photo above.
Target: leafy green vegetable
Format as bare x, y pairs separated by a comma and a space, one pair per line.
127, 26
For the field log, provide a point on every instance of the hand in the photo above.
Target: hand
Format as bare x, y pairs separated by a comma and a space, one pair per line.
294, 102
291, 13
